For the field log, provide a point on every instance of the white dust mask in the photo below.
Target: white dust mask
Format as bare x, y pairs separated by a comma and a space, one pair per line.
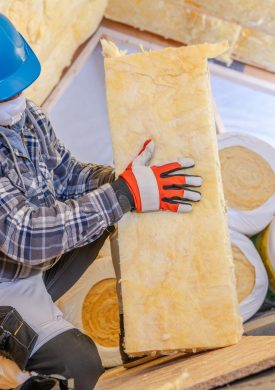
11, 111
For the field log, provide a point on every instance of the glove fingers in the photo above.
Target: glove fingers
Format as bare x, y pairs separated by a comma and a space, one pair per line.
188, 195
178, 171
184, 208
145, 154
195, 181
177, 206
189, 181
195, 196
184, 163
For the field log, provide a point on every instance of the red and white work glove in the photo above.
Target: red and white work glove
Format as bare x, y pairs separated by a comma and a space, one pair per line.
158, 187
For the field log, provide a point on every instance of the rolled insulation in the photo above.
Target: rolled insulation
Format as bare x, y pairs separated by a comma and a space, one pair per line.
91, 305
252, 280
100, 313
265, 243
245, 274
248, 175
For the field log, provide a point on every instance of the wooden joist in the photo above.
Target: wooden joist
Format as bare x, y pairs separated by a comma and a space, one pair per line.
202, 371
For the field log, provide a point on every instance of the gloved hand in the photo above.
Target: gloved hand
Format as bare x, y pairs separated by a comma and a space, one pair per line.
158, 187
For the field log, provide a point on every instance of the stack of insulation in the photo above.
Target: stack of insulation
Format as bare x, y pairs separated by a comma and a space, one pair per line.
248, 25
54, 29
248, 174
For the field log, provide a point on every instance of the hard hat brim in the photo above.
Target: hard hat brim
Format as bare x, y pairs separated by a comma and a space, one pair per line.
23, 77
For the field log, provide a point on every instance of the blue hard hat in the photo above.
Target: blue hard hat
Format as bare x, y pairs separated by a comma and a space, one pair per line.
19, 66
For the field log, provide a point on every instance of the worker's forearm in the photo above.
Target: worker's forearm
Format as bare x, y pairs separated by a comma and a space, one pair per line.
35, 235
123, 195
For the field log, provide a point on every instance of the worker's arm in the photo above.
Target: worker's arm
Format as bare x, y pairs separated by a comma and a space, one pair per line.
35, 235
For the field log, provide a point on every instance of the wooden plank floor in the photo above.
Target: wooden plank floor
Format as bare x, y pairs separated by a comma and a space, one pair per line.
201, 371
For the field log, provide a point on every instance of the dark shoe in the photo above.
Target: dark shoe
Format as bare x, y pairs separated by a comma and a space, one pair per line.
41, 382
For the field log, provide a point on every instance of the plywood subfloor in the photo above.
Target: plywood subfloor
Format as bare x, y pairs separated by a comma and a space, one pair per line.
202, 371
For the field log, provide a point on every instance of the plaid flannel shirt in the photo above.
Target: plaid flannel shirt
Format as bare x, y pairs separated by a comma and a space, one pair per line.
59, 205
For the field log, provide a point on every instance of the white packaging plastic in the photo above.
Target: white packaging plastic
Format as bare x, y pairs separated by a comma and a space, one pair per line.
251, 304
250, 222
71, 304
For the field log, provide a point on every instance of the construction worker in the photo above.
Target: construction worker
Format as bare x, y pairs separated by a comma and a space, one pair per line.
56, 213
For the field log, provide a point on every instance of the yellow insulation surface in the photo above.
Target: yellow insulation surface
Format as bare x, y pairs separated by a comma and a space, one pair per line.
256, 48
257, 14
177, 291
172, 20
248, 25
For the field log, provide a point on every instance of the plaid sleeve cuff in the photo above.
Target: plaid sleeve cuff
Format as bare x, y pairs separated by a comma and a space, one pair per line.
107, 204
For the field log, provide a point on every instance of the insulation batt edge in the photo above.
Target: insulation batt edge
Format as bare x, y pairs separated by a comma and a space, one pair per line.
184, 287
172, 20
256, 14
246, 24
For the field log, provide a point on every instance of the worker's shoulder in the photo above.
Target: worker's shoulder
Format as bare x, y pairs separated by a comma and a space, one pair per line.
41, 119
36, 111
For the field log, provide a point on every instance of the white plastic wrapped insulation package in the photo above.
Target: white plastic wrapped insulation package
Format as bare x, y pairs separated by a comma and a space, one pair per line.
265, 243
248, 173
256, 294
91, 306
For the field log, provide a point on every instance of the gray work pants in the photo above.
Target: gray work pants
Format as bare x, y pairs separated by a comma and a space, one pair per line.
60, 348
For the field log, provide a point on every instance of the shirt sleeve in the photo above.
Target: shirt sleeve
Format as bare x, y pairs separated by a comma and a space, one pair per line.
34, 235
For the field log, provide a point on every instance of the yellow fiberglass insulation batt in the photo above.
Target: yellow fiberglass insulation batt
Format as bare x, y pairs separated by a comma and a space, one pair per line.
171, 19
178, 293
248, 179
247, 24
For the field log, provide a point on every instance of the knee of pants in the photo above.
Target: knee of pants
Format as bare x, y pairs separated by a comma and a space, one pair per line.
72, 355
